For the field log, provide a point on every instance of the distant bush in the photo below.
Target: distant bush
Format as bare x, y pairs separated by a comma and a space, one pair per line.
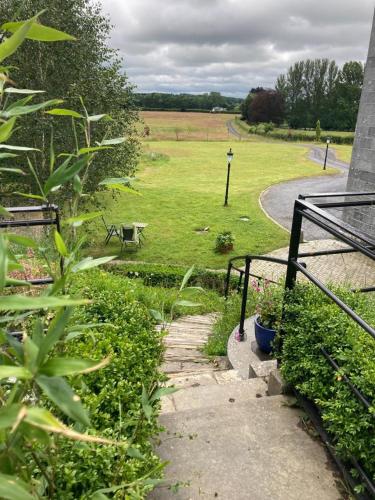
168, 276
302, 135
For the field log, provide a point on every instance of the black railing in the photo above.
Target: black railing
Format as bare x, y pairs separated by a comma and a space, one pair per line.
356, 241
244, 275
54, 219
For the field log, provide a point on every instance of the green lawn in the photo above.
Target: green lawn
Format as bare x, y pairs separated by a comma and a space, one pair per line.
182, 186
343, 153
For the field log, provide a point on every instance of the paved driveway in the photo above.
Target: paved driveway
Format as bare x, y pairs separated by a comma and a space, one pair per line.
278, 200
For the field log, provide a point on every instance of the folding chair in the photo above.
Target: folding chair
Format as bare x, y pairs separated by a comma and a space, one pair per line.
129, 236
111, 231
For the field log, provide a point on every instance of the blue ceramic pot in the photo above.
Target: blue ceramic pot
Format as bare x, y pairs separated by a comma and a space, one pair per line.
264, 336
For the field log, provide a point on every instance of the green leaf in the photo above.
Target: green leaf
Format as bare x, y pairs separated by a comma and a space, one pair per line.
12, 170
4, 211
112, 142
186, 303
59, 391
146, 406
156, 315
186, 278
77, 184
11, 44
162, 391
79, 219
125, 189
61, 367
134, 452
98, 495
8, 415
3, 260
6, 129
89, 263
60, 244
64, 173
16, 148
32, 108
19, 372
39, 32
12, 488
13, 90
7, 155
55, 331
20, 303
64, 112
30, 196
96, 118
84, 151
22, 240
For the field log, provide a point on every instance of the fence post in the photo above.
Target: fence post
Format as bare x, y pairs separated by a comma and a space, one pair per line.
227, 281
244, 298
295, 237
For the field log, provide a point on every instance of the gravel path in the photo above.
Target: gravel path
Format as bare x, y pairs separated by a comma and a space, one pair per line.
278, 200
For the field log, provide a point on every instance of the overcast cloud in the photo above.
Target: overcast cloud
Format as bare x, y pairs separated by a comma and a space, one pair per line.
232, 45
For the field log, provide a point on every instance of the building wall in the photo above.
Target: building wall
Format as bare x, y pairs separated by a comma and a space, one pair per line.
362, 167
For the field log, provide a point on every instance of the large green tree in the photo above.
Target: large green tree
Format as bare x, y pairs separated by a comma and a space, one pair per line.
86, 68
318, 90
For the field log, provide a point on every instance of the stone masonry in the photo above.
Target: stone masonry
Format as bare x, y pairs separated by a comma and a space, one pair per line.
362, 168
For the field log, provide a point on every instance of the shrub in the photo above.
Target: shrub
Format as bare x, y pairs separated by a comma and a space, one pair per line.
168, 276
224, 242
313, 321
113, 395
268, 127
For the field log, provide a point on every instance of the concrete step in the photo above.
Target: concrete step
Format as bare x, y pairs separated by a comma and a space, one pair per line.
253, 450
210, 395
198, 379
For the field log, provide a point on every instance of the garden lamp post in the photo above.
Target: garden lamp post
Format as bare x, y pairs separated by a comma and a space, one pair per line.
325, 159
229, 159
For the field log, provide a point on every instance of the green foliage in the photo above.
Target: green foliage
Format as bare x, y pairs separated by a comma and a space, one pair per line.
318, 90
268, 299
224, 242
113, 395
303, 135
168, 276
155, 101
226, 322
314, 321
95, 74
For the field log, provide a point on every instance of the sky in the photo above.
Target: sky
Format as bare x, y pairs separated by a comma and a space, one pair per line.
230, 46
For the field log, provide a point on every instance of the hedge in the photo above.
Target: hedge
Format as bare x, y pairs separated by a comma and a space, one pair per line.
313, 321
171, 276
113, 394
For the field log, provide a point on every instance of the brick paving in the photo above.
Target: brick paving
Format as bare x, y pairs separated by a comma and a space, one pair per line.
352, 269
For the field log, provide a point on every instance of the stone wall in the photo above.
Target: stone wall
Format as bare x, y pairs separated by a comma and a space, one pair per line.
362, 168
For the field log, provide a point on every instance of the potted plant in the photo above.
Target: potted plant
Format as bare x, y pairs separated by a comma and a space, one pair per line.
224, 242
268, 313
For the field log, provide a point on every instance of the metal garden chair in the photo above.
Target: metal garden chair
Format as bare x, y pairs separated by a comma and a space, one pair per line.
111, 229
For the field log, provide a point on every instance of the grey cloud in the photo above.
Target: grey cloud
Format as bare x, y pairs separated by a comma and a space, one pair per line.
232, 45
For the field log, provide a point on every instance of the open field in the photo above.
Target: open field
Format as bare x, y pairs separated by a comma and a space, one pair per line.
186, 126
182, 185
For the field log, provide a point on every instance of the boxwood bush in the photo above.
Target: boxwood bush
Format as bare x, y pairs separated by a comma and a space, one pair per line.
113, 394
171, 276
313, 321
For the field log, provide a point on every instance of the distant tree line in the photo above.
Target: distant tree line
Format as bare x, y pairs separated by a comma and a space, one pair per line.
311, 90
186, 102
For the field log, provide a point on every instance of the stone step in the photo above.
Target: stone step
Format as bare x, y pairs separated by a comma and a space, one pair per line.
254, 450
205, 396
170, 367
198, 379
